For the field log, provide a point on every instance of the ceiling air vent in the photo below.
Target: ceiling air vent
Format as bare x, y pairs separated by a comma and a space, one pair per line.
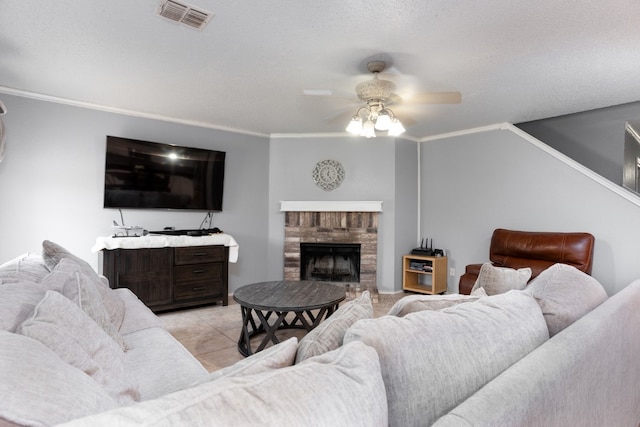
184, 13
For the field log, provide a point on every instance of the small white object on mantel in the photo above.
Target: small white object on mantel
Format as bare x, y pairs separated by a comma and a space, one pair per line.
330, 206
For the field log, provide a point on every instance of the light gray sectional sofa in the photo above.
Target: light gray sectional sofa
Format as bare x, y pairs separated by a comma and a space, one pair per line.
558, 353
58, 320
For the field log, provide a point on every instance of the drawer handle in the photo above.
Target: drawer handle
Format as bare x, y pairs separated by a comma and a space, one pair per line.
199, 271
200, 288
200, 254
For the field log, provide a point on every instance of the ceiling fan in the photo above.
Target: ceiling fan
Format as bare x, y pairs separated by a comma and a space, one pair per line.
378, 95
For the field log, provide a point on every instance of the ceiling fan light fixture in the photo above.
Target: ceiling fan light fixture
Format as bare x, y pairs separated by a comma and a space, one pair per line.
355, 125
383, 121
396, 128
378, 118
368, 129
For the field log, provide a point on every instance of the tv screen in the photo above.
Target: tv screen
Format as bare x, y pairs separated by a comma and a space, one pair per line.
142, 174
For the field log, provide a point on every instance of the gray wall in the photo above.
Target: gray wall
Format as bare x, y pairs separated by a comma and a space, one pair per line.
594, 138
407, 201
51, 185
474, 183
51, 182
52, 177
372, 173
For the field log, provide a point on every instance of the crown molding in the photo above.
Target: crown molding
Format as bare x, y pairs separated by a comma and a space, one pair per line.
337, 135
104, 108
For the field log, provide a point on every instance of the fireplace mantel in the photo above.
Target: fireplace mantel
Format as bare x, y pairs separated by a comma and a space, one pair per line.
330, 206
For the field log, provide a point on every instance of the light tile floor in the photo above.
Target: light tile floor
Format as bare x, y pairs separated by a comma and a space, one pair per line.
211, 333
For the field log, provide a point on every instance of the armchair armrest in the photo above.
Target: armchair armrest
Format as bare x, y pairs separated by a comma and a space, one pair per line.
468, 279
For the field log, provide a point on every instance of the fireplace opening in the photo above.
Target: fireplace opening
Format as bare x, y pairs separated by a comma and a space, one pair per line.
330, 262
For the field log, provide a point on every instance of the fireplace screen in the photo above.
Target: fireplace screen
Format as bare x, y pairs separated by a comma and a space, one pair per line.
330, 262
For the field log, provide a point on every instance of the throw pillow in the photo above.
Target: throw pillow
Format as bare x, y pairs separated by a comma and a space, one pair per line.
17, 302
479, 292
565, 294
340, 388
113, 304
28, 267
498, 280
65, 329
275, 357
329, 334
38, 388
433, 360
52, 253
68, 278
413, 303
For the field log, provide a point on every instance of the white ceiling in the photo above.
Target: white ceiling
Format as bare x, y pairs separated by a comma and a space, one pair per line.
512, 60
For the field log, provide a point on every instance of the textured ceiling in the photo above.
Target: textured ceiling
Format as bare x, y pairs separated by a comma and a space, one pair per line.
512, 61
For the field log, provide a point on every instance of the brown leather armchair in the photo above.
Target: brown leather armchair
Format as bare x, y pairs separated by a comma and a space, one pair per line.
537, 250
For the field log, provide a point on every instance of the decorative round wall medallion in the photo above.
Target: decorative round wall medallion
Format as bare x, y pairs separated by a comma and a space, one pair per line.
328, 174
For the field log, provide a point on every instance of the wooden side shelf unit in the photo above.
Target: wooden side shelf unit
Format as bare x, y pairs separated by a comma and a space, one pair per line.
424, 274
170, 278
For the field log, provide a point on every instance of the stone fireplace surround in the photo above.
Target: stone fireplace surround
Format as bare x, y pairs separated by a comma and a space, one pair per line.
332, 222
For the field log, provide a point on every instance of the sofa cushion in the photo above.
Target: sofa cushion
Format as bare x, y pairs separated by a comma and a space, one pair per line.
340, 388
565, 294
498, 280
413, 303
39, 388
28, 267
137, 316
329, 334
433, 360
17, 302
277, 356
65, 329
158, 364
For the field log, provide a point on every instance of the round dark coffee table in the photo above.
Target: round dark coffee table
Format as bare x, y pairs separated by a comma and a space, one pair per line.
259, 302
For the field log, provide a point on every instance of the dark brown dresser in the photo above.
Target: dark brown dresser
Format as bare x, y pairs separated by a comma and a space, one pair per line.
171, 278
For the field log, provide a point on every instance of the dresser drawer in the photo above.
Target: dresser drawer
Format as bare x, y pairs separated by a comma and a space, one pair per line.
197, 272
192, 290
199, 254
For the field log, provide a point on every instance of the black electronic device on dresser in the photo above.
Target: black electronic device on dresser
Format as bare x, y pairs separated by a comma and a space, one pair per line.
193, 232
171, 277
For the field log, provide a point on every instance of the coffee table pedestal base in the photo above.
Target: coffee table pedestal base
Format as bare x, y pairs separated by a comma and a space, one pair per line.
256, 322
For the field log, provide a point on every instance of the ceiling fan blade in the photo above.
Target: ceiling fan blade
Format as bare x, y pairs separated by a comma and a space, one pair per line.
436, 98
394, 99
333, 101
317, 92
392, 70
407, 121
341, 118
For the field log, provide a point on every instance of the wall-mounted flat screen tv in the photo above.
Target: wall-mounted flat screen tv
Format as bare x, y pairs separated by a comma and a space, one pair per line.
149, 175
